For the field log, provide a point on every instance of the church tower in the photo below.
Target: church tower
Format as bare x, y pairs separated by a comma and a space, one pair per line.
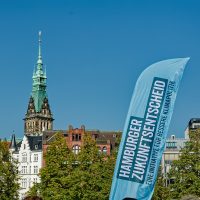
38, 116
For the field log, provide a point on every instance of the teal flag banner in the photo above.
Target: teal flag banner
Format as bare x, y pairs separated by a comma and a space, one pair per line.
145, 130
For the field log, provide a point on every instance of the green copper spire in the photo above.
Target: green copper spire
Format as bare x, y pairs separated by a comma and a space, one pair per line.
39, 61
39, 80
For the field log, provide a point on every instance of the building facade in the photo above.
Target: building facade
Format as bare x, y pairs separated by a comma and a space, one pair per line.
105, 140
28, 154
171, 153
174, 146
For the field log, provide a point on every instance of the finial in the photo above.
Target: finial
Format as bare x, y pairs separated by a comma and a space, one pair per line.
40, 34
40, 41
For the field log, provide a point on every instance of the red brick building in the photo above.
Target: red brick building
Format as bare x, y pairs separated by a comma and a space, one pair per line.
105, 140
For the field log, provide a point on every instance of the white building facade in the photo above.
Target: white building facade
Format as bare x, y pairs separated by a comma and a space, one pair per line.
174, 146
28, 153
171, 153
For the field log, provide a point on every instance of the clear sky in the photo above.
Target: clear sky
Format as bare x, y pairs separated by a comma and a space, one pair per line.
94, 52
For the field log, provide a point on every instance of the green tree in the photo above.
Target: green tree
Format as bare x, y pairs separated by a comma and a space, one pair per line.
91, 179
186, 170
161, 192
66, 176
8, 174
59, 163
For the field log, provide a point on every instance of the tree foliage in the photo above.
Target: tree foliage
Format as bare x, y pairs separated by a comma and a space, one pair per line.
186, 170
8, 174
161, 192
85, 176
88, 175
92, 177
58, 166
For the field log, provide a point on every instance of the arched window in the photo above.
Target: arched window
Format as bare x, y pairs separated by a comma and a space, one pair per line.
104, 150
76, 149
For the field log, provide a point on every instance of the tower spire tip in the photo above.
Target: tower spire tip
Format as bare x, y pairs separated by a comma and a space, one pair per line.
40, 51
40, 34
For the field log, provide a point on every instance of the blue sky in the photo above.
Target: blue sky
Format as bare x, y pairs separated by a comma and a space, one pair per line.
94, 52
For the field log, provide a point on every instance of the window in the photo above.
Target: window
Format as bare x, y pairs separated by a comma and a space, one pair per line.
29, 183
171, 145
73, 137
24, 170
35, 180
105, 150
35, 169
168, 162
24, 183
36, 146
76, 149
24, 146
24, 157
76, 137
30, 170
35, 157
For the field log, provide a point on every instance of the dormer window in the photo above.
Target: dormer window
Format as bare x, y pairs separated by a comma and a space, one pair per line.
36, 146
24, 146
